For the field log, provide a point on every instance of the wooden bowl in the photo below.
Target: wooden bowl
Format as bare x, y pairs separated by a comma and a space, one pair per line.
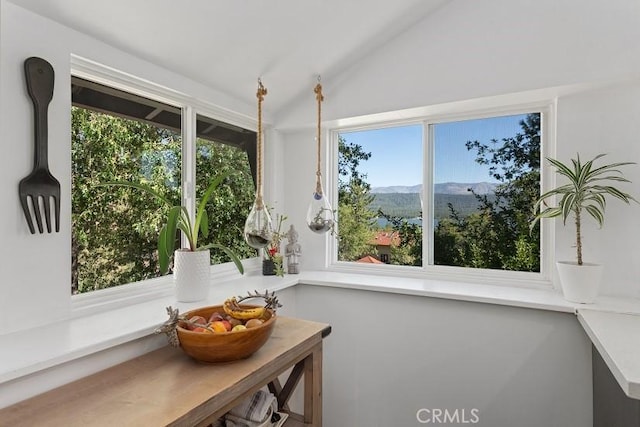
225, 346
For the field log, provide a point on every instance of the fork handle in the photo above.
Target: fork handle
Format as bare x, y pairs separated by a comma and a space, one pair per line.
40, 77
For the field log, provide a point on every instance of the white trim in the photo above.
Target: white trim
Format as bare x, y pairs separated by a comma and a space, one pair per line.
330, 152
188, 166
446, 273
428, 166
111, 298
548, 123
331, 179
99, 73
134, 293
547, 108
531, 97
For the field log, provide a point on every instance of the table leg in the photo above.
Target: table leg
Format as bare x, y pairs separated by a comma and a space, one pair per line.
313, 387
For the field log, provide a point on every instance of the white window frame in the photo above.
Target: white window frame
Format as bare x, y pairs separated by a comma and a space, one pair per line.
428, 117
131, 293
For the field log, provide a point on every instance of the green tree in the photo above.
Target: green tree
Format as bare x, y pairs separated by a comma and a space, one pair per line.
356, 221
497, 235
350, 156
228, 210
356, 226
115, 229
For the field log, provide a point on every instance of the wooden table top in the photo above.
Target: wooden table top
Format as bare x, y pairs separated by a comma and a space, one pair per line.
166, 387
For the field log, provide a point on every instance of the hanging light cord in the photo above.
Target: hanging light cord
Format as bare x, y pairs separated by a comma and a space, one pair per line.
260, 94
319, 98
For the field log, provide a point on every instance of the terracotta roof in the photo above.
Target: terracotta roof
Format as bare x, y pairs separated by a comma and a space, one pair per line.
386, 238
370, 260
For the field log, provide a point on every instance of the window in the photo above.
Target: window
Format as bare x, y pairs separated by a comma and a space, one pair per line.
486, 175
224, 148
118, 135
379, 187
469, 206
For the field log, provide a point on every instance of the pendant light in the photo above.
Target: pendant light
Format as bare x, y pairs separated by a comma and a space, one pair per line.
258, 229
320, 218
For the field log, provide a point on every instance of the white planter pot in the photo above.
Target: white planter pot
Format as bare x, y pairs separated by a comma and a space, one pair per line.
191, 272
580, 283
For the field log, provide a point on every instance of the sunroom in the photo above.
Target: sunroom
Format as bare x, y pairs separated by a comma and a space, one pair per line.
427, 108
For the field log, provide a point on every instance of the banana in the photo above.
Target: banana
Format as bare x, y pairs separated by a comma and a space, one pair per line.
233, 309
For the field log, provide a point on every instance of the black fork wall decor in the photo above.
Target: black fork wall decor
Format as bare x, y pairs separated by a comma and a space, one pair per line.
39, 189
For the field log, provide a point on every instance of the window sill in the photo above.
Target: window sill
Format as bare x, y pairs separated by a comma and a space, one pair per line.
30, 351
535, 298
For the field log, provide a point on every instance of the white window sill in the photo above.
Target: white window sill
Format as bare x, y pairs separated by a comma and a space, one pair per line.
29, 351
26, 352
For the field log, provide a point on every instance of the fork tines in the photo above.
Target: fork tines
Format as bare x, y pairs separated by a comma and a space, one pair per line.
39, 206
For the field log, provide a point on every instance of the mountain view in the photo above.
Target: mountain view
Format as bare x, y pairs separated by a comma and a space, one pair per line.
442, 188
404, 201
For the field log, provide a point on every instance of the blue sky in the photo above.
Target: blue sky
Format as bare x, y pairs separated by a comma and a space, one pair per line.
397, 152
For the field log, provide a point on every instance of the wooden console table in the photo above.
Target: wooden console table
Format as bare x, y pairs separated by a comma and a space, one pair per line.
167, 388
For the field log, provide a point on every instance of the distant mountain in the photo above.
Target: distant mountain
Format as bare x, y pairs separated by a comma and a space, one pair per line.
397, 189
458, 188
443, 188
407, 205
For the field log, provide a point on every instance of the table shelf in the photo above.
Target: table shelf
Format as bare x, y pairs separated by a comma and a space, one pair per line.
295, 420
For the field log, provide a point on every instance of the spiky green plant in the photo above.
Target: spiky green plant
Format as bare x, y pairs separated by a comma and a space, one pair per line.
586, 191
178, 219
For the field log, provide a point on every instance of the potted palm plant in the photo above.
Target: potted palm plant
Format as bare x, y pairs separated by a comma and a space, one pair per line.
585, 192
191, 264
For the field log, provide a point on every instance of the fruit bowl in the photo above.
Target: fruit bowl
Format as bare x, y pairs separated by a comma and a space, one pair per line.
224, 346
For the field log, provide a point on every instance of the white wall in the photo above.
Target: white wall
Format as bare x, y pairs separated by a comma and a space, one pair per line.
390, 355
299, 182
606, 121
36, 271
475, 50
449, 353
471, 49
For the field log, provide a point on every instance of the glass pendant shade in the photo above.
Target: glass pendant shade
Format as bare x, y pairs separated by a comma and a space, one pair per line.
258, 229
320, 218
319, 214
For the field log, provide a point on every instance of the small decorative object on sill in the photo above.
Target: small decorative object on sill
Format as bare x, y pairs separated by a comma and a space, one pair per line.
223, 333
40, 186
293, 251
258, 227
320, 215
268, 267
273, 263
588, 185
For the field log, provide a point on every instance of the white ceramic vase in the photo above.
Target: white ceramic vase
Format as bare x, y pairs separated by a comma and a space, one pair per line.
580, 283
191, 271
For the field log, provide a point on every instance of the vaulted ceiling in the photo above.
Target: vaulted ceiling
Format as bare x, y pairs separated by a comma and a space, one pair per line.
228, 44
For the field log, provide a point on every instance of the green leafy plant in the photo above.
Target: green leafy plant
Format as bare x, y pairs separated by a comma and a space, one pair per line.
272, 251
178, 219
588, 185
